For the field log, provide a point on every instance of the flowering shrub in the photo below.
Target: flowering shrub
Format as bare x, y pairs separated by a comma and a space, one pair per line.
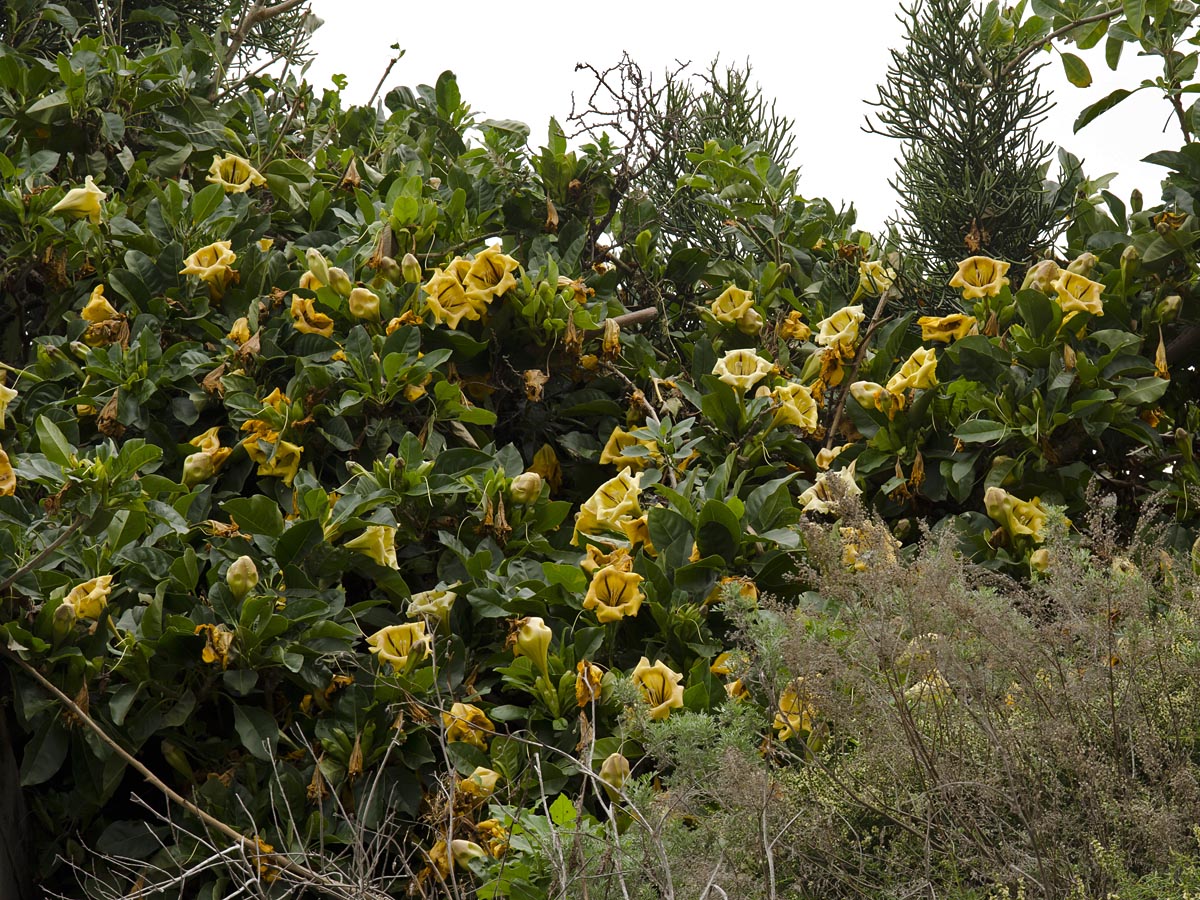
367, 473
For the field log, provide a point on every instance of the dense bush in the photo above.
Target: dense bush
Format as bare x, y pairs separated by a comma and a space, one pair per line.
389, 507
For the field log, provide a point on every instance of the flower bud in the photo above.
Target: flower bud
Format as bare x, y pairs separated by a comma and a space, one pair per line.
1129, 256
1083, 264
410, 268
464, 852
614, 773
1041, 276
241, 576
198, 468
63, 621
318, 265
526, 487
750, 322
340, 281
390, 269
1168, 308
1135, 201
1039, 560
533, 641
364, 304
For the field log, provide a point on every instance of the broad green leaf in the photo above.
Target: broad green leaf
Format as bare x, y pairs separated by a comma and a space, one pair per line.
1100, 107
1135, 12
980, 431
256, 515
257, 731
1076, 70
53, 443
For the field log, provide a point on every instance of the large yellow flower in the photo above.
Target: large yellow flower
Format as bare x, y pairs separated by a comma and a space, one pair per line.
435, 604
363, 303
613, 501
481, 783
1018, 518
234, 174
979, 277
795, 406
918, 372
621, 440
945, 329
84, 201
89, 599
98, 309
449, 300
490, 275
661, 687
741, 369
8, 478
860, 547
212, 265
379, 543
874, 278
307, 320
614, 594
1079, 294
839, 332
395, 644
467, 722
796, 712
732, 305
282, 461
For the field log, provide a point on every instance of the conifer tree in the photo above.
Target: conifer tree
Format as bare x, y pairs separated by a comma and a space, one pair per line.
971, 167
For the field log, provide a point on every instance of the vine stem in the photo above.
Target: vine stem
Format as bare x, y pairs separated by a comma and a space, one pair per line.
849, 379
315, 879
44, 555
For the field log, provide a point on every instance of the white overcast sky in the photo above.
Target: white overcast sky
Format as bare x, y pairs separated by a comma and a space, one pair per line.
820, 60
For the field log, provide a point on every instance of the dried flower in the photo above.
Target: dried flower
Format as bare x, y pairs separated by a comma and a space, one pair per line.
307, 320
467, 722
